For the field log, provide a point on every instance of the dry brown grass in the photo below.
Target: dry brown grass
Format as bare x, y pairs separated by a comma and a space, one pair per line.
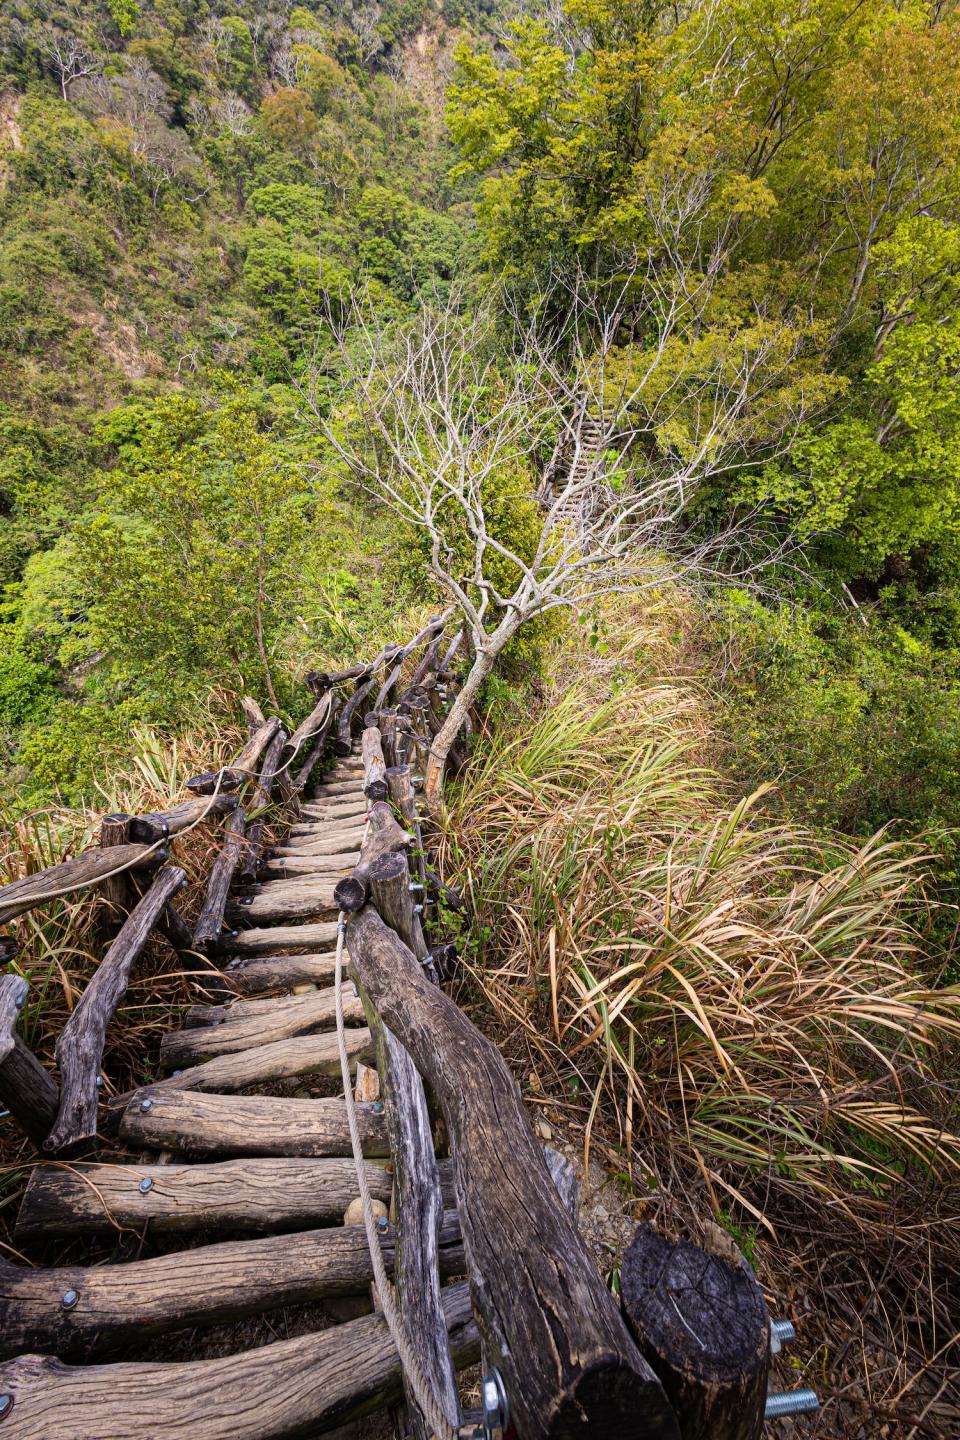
736, 1016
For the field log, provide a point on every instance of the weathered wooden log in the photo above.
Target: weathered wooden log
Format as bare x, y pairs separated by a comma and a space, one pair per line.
329, 789
431, 631
318, 720
549, 1323
428, 664
315, 753
260, 800
192, 1123
115, 830
277, 938
255, 716
287, 867
150, 828
341, 810
342, 744
312, 1012
9, 949
276, 1192
306, 1386
419, 1202
306, 897
374, 766
206, 1285
323, 841
404, 801
198, 1016
222, 871
241, 768
257, 974
282, 1060
393, 895
26, 1089
701, 1321
383, 837
79, 1048
89, 868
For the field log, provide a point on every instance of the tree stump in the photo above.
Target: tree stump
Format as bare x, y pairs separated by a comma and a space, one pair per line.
701, 1322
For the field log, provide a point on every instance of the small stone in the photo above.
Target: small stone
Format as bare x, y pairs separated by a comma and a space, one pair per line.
544, 1130
353, 1215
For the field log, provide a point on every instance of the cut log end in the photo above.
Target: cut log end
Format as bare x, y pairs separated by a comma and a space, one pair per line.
702, 1324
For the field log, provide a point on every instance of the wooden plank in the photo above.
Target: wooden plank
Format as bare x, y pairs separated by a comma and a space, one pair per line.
283, 1060
206, 1285
275, 972
278, 1192
283, 937
701, 1321
418, 1195
299, 1387
158, 826
26, 1090
317, 720
189, 1122
227, 1014
305, 898
222, 871
287, 867
312, 1012
83, 870
325, 840
549, 1323
79, 1047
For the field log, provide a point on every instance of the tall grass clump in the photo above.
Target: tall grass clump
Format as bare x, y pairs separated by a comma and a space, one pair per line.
736, 1004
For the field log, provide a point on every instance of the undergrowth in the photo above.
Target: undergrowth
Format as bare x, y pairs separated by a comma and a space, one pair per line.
736, 1015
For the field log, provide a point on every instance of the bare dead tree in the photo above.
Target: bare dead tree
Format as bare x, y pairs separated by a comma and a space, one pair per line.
611, 437
69, 58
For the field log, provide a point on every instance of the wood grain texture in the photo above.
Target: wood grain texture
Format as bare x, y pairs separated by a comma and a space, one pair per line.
701, 1321
549, 1322
304, 898
219, 880
260, 800
205, 1285
243, 1032
83, 870
196, 1124
283, 1060
257, 1193
293, 1388
276, 938
324, 840
79, 1047
374, 765
26, 1090
159, 825
287, 867
316, 721
241, 768
257, 974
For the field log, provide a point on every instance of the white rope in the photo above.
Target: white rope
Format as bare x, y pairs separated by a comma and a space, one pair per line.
423, 1392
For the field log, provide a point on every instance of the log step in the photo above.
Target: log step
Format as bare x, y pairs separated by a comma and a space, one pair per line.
257, 1027
298, 1387
271, 939
196, 1124
200, 1015
276, 1193
323, 841
203, 1286
276, 972
287, 863
303, 898
282, 1060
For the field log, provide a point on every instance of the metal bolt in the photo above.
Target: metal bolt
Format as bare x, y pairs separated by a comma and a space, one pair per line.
69, 1298
781, 1333
6, 1404
790, 1402
383, 1224
20, 1000
245, 900
145, 1185
415, 885
146, 1105
99, 1081
418, 909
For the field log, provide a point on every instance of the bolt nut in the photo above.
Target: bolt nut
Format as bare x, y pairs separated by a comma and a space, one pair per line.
378, 1107
146, 1184
146, 1105
383, 1224
6, 1404
99, 1081
69, 1299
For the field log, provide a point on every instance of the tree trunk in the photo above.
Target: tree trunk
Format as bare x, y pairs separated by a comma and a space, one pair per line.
443, 740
